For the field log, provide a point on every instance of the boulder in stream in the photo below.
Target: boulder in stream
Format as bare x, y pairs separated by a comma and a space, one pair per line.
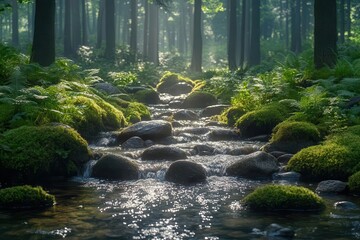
185, 114
331, 186
115, 167
254, 166
134, 142
199, 100
153, 130
185, 172
213, 110
163, 153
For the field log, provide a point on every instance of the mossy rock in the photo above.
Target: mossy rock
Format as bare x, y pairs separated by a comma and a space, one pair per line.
169, 80
283, 198
147, 96
291, 137
25, 197
336, 158
354, 183
136, 112
40, 153
95, 115
261, 121
232, 114
199, 100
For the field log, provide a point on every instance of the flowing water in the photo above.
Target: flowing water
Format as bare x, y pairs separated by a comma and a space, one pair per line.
152, 208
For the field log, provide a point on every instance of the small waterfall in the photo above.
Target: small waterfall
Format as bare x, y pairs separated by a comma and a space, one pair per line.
87, 169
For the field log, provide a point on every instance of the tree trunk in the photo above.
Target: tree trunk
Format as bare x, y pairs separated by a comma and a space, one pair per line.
182, 37
196, 60
60, 20
325, 33
305, 19
295, 27
153, 49
75, 24
287, 21
342, 21
232, 21
84, 23
133, 34
255, 34
15, 23
68, 50
100, 21
110, 29
43, 49
348, 18
146, 29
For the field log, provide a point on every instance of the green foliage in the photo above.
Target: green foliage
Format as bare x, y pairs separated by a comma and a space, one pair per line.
283, 198
37, 153
354, 183
336, 158
9, 60
232, 114
122, 79
25, 197
293, 131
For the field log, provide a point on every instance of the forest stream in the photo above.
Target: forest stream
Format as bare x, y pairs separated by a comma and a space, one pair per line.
152, 208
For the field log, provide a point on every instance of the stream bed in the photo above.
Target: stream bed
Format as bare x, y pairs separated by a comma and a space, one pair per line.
152, 208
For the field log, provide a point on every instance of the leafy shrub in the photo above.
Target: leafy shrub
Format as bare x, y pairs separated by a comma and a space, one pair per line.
25, 197
283, 198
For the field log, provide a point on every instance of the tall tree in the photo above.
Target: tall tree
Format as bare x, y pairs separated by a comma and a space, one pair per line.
348, 18
43, 48
232, 33
295, 26
133, 33
342, 21
110, 29
153, 43
15, 23
196, 60
100, 23
146, 29
68, 50
255, 34
84, 22
325, 33
76, 24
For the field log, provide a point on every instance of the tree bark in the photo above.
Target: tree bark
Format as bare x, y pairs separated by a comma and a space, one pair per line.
68, 50
84, 27
100, 23
15, 23
75, 24
110, 29
153, 48
325, 33
146, 30
295, 26
348, 18
196, 60
232, 33
255, 34
43, 49
133, 34
342, 21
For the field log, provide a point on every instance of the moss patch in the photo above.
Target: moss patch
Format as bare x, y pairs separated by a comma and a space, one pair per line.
336, 158
169, 79
294, 131
285, 198
232, 114
39, 153
147, 96
199, 100
354, 183
25, 197
262, 121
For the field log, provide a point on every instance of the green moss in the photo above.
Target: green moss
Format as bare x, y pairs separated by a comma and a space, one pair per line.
39, 153
337, 158
262, 121
199, 100
169, 79
354, 183
147, 96
232, 114
285, 198
25, 197
295, 131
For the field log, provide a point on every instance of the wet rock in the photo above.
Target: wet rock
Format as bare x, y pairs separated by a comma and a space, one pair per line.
163, 153
215, 124
176, 124
276, 231
106, 87
185, 172
287, 176
133, 142
277, 154
175, 104
199, 100
114, 167
331, 186
242, 151
185, 115
259, 138
285, 158
148, 143
254, 166
213, 110
147, 96
223, 135
193, 130
204, 150
345, 205
179, 88
153, 130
